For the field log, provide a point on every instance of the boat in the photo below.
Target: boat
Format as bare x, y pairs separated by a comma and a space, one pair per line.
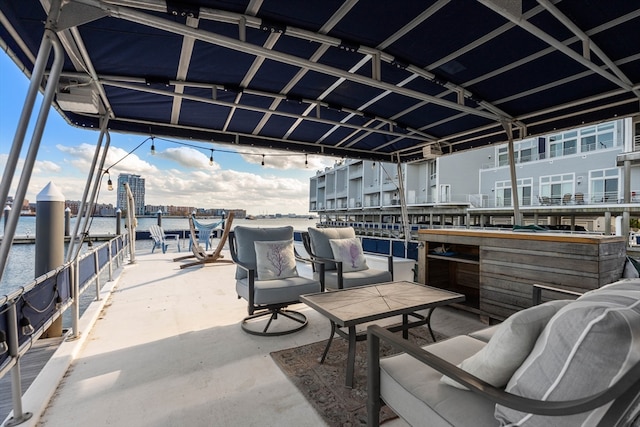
320, 78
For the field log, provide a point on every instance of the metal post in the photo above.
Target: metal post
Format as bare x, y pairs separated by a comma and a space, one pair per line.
16, 383
67, 221
50, 239
118, 222
159, 216
49, 39
96, 263
75, 312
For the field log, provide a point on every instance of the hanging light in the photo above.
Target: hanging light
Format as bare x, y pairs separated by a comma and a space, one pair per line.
25, 326
109, 182
211, 158
3, 343
263, 160
153, 146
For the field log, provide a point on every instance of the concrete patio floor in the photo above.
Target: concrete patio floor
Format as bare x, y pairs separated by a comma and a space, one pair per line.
166, 349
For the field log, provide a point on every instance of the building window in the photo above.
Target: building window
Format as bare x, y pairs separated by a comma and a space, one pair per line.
563, 144
503, 192
524, 151
554, 187
598, 137
604, 185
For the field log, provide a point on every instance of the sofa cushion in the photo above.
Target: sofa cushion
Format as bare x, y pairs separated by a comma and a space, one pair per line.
245, 238
583, 349
277, 291
349, 252
352, 279
275, 260
509, 346
413, 390
320, 242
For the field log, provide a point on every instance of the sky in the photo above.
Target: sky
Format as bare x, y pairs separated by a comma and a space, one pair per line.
176, 174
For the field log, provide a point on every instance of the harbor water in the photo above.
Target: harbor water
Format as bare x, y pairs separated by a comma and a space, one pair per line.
20, 269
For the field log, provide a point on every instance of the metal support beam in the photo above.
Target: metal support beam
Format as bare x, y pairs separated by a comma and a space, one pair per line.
517, 219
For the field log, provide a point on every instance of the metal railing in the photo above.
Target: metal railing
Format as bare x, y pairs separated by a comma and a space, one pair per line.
27, 313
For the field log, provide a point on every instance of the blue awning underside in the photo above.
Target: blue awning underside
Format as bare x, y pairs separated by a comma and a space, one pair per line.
359, 79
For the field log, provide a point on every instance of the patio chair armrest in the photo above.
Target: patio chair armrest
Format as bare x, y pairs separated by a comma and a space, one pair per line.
537, 292
624, 391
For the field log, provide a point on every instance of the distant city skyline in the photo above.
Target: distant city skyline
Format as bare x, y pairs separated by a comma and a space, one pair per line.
180, 173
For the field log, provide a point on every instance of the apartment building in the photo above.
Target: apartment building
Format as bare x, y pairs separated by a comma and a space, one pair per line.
587, 176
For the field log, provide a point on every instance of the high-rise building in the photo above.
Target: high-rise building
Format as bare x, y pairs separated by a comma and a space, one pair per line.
136, 183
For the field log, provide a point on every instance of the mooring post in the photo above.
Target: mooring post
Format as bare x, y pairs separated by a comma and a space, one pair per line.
67, 221
118, 222
50, 238
159, 215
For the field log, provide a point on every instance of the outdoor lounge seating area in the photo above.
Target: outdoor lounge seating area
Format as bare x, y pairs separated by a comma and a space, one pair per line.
561, 363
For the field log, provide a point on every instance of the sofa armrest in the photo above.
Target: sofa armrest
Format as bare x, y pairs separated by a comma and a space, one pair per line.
537, 292
624, 393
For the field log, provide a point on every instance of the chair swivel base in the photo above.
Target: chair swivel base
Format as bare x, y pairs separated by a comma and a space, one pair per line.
298, 320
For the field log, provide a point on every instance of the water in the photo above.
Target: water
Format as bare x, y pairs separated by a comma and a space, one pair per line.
20, 269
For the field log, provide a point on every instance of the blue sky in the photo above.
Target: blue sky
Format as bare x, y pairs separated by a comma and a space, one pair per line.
176, 175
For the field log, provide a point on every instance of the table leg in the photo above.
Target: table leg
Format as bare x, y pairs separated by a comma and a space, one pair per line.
429, 323
405, 328
326, 349
351, 358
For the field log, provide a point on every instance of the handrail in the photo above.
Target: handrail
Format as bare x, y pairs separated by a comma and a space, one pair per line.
12, 305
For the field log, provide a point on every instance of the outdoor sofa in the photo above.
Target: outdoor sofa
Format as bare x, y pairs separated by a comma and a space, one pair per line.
566, 363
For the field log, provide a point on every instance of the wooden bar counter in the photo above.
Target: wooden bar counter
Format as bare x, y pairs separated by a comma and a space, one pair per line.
496, 269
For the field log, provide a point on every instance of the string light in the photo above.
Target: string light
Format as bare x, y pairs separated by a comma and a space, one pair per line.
263, 160
153, 146
306, 161
109, 182
211, 158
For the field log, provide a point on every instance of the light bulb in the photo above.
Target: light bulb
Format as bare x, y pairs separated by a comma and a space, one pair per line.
211, 159
263, 160
306, 161
153, 147
109, 185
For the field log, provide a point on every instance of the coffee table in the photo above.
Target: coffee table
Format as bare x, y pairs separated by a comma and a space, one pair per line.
347, 308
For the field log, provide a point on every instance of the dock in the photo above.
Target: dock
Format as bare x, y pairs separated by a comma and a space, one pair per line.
167, 349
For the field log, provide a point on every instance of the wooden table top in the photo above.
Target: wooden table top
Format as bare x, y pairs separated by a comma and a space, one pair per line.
353, 306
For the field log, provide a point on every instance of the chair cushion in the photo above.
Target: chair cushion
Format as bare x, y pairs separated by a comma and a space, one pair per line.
277, 291
354, 278
413, 390
320, 246
275, 260
245, 238
509, 346
585, 347
349, 251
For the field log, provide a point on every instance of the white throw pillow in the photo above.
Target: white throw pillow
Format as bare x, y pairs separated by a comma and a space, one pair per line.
275, 260
509, 346
350, 252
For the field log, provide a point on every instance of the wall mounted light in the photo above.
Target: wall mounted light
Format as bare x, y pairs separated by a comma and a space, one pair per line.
3, 343
25, 326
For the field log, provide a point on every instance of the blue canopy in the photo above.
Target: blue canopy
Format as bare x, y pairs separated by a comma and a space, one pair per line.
359, 79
